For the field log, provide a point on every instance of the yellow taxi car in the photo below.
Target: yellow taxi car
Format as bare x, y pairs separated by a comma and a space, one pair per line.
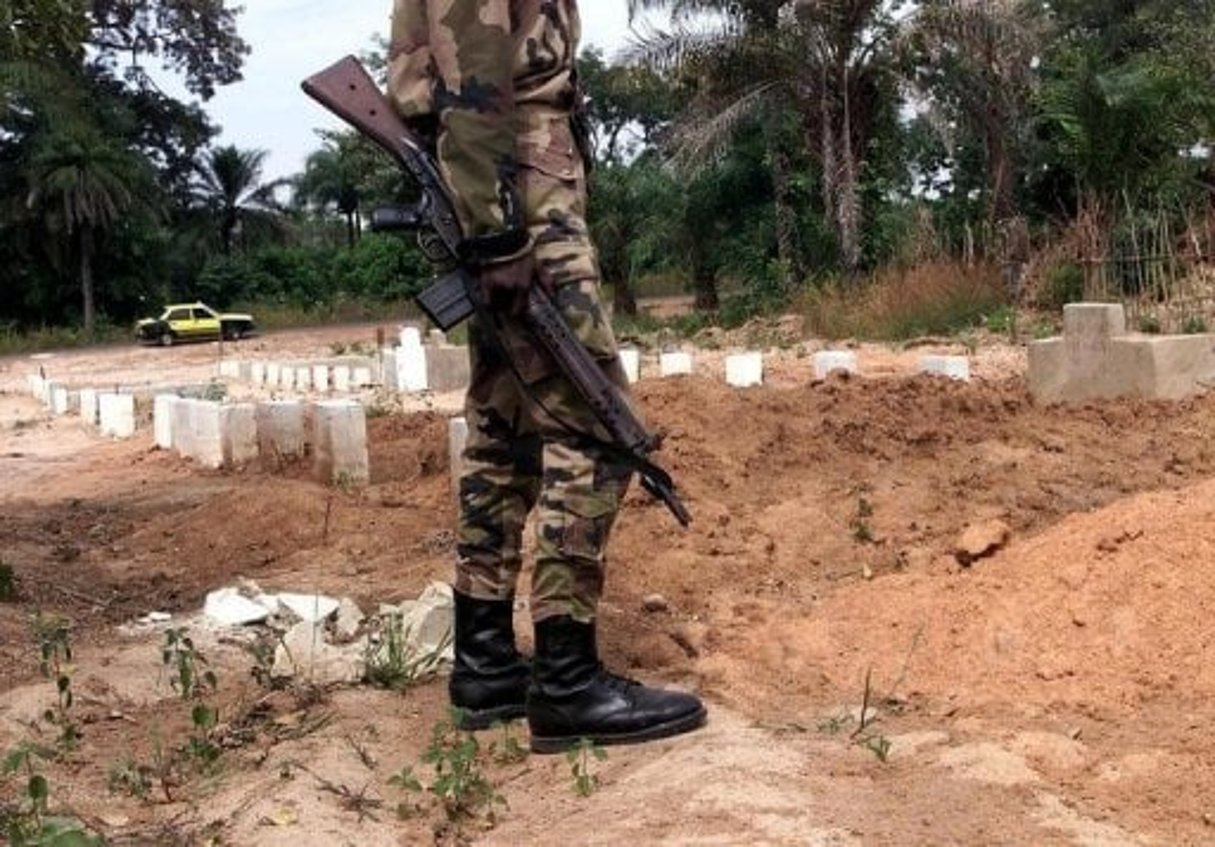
193, 322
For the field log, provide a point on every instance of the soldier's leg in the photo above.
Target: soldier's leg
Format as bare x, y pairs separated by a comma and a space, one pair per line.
499, 486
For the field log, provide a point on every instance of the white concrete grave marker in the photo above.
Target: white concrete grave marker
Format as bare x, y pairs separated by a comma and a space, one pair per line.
834, 360
675, 364
954, 367
630, 359
744, 370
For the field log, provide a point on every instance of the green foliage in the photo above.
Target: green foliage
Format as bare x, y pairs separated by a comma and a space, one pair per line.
8, 583
460, 784
393, 662
579, 759
1064, 284
1192, 325
54, 636
194, 682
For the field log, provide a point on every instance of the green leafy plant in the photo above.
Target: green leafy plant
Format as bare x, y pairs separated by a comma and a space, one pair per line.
8, 583
1194, 325
1149, 324
54, 636
579, 758
28, 822
193, 682
393, 663
128, 776
862, 532
460, 784
510, 751
407, 781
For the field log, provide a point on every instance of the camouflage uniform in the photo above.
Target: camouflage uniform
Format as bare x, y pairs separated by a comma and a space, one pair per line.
491, 81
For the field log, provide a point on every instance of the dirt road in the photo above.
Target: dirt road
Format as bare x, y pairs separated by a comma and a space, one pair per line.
865, 687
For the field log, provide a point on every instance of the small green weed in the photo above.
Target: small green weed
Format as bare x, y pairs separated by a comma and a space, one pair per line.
579, 757
460, 784
8, 583
1194, 325
407, 781
193, 682
1149, 324
54, 636
129, 777
510, 751
392, 663
28, 822
216, 391
862, 532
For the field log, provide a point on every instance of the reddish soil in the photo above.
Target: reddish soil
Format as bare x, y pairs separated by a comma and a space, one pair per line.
1055, 692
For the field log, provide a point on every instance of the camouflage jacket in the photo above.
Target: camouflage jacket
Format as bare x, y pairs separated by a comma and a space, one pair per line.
492, 81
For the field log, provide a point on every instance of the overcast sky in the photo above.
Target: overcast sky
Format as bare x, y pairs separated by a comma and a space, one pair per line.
291, 39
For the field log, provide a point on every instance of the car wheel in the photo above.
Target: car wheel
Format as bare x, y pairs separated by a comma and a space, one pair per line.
166, 338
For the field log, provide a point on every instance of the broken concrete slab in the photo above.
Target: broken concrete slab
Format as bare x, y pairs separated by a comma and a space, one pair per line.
1098, 359
230, 607
304, 653
280, 431
348, 621
307, 607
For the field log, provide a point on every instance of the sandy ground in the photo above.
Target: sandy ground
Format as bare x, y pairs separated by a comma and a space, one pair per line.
1057, 692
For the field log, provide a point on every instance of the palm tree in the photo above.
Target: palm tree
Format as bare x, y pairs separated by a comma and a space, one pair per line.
231, 187
825, 57
80, 183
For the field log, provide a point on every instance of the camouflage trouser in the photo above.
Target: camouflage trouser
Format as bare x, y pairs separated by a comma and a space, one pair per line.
521, 453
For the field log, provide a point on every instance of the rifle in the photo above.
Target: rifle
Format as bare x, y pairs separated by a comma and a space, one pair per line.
346, 89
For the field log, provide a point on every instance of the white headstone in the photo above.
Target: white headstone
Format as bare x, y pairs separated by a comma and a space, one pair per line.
630, 358
320, 377
675, 364
834, 360
162, 419
744, 370
303, 379
341, 378
88, 406
117, 414
954, 367
257, 373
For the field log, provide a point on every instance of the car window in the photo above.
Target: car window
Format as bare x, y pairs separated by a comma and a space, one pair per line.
204, 312
178, 315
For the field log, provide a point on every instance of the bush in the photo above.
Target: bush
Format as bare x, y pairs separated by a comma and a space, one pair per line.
932, 299
1064, 284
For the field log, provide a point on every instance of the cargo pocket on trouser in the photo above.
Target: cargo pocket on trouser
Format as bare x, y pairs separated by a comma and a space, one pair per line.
581, 496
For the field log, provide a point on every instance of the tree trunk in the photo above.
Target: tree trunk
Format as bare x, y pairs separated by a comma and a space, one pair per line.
350, 230
85, 244
624, 299
849, 203
786, 219
704, 283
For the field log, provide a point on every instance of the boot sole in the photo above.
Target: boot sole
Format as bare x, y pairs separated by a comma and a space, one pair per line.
561, 743
471, 720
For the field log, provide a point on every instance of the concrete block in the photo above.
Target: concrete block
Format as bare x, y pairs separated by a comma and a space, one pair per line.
304, 654
339, 441
280, 431
181, 424
412, 371
320, 378
257, 373
410, 336
61, 400
229, 607
1099, 360
744, 370
117, 414
457, 437
206, 439
229, 369
273, 374
286, 377
834, 360
361, 377
436, 338
630, 360
447, 368
389, 372
341, 378
238, 433
954, 367
675, 364
37, 385
88, 406
162, 419
303, 379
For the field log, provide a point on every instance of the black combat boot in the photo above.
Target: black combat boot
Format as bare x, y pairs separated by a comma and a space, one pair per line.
573, 697
489, 680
